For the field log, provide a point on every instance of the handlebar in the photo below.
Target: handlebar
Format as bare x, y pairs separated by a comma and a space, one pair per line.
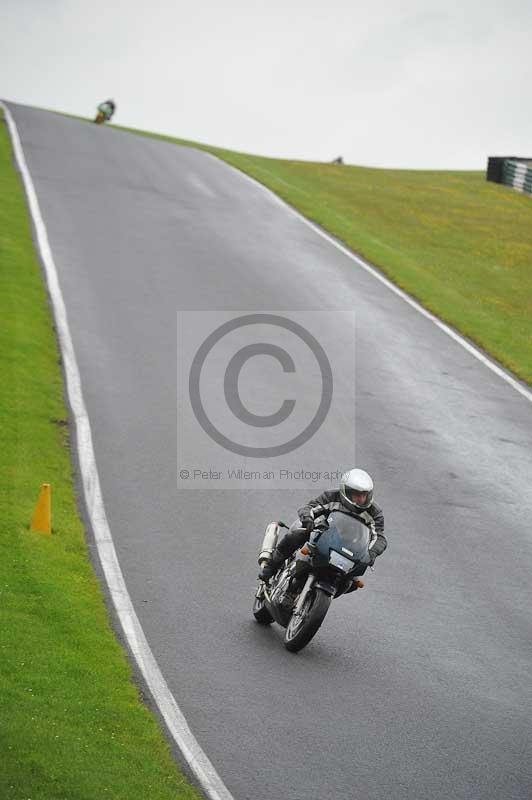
317, 532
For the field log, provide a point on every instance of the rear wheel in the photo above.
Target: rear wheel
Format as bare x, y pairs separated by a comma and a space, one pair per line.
260, 612
301, 629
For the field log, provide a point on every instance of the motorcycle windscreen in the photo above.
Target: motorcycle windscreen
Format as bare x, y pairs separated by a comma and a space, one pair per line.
347, 535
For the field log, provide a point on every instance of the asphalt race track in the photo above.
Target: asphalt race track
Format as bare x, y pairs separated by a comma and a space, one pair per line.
418, 687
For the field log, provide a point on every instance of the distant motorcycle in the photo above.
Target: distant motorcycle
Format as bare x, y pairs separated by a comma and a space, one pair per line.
299, 595
105, 112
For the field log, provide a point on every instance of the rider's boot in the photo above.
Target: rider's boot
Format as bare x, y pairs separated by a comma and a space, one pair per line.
270, 567
357, 583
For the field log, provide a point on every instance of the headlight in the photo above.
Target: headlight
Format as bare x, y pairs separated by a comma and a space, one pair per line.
340, 561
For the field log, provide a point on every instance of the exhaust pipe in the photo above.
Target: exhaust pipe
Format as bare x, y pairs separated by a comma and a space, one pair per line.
269, 543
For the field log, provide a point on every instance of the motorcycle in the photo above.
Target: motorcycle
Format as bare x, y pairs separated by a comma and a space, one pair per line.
105, 112
299, 595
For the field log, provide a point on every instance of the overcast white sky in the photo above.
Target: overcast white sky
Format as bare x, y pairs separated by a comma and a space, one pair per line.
418, 83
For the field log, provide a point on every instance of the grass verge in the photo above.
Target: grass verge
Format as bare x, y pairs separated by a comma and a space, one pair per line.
459, 245
73, 726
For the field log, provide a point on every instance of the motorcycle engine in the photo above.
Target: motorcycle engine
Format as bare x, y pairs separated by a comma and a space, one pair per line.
283, 594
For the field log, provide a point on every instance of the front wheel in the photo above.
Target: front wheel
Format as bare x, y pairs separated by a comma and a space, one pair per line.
302, 628
260, 612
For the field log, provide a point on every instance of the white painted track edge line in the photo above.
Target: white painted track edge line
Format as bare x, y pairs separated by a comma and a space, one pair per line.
193, 754
447, 329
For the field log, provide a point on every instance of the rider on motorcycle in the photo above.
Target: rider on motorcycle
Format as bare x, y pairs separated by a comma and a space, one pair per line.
354, 497
108, 108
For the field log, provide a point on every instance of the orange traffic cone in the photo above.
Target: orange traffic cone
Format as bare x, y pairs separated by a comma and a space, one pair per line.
42, 518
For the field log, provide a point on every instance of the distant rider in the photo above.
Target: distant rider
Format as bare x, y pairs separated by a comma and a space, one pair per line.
354, 497
107, 108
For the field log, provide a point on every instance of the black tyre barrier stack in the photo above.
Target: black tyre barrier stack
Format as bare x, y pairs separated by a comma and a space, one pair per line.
513, 171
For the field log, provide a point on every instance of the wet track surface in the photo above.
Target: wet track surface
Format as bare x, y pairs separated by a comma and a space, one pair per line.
418, 687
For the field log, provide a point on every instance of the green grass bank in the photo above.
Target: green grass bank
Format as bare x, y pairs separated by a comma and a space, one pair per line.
72, 725
461, 246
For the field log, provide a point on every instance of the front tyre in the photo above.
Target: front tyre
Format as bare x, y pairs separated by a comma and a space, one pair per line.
301, 629
260, 612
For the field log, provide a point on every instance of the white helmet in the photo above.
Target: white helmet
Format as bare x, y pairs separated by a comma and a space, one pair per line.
356, 490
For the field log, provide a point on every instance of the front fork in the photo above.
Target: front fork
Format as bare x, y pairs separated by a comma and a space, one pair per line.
311, 579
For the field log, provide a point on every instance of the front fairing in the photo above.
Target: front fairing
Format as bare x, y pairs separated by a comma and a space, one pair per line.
347, 536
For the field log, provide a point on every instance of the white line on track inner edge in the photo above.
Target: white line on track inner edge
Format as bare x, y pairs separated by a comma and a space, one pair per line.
196, 758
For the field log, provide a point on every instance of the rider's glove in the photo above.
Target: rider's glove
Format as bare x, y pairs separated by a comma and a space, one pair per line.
307, 521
